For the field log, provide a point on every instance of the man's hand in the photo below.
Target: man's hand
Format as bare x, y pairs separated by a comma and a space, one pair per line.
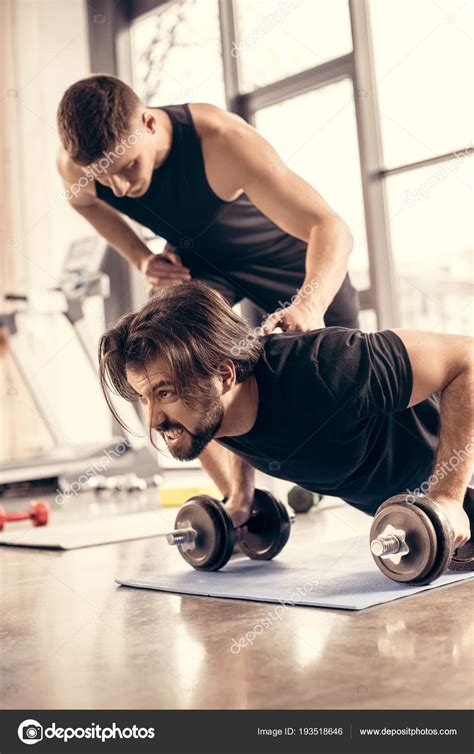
458, 518
302, 316
239, 507
164, 269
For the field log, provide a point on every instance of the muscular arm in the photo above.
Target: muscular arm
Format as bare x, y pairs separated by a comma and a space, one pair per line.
234, 477
242, 476
239, 159
115, 229
446, 363
112, 226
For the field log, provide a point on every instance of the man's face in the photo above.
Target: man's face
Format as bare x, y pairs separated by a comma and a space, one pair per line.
186, 431
130, 173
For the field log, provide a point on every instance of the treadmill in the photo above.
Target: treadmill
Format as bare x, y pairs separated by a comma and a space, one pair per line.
32, 322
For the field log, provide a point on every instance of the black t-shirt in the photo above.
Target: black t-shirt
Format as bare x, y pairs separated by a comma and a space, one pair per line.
333, 416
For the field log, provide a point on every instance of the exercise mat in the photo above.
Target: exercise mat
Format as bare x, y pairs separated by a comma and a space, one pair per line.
339, 574
95, 531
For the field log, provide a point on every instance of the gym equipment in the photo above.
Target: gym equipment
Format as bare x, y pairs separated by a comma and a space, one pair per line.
90, 532
302, 500
331, 574
411, 540
205, 536
122, 483
38, 512
463, 557
62, 312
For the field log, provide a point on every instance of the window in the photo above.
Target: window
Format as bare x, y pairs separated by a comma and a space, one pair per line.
316, 135
176, 54
423, 63
432, 241
424, 78
277, 38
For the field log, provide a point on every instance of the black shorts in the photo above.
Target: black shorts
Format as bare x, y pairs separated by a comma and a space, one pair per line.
270, 288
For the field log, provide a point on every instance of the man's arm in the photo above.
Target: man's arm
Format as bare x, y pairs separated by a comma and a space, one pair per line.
237, 159
446, 363
234, 477
242, 476
112, 226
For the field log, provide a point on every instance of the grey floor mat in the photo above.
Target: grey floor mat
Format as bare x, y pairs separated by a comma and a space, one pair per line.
94, 531
339, 574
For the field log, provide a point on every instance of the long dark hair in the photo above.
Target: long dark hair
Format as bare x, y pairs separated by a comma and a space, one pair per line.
191, 328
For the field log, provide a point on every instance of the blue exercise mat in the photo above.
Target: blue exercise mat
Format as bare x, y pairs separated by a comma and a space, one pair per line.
339, 574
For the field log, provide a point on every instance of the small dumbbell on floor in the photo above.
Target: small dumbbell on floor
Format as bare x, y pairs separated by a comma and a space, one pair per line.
302, 500
411, 540
206, 538
38, 512
122, 483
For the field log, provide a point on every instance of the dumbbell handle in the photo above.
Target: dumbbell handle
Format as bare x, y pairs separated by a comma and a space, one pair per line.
184, 536
187, 535
18, 516
388, 545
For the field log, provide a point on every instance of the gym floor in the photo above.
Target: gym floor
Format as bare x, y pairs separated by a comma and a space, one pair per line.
71, 638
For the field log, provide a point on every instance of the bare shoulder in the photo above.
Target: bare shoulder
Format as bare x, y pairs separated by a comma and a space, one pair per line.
211, 121
229, 147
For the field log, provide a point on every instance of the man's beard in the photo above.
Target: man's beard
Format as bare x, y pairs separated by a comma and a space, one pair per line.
201, 436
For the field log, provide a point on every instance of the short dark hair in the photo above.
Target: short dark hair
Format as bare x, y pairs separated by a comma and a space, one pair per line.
192, 328
94, 115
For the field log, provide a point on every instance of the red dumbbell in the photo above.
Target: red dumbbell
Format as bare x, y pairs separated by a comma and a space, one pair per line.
38, 511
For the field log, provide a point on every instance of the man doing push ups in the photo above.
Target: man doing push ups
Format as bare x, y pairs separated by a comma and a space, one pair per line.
362, 416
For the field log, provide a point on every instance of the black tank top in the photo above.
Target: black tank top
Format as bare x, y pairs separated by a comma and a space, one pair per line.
181, 207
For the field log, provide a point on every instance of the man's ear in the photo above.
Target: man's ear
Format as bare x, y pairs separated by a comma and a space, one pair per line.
149, 121
227, 374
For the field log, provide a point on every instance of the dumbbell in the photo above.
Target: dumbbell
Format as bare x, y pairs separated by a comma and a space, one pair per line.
411, 541
302, 500
122, 483
38, 511
206, 538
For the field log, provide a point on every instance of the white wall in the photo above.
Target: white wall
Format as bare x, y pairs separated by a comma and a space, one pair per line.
50, 52
43, 49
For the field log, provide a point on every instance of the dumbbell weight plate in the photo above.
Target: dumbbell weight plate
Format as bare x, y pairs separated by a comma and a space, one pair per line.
463, 557
429, 538
420, 539
215, 540
268, 528
445, 538
40, 510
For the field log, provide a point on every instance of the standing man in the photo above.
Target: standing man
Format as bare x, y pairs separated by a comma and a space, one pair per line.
236, 216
